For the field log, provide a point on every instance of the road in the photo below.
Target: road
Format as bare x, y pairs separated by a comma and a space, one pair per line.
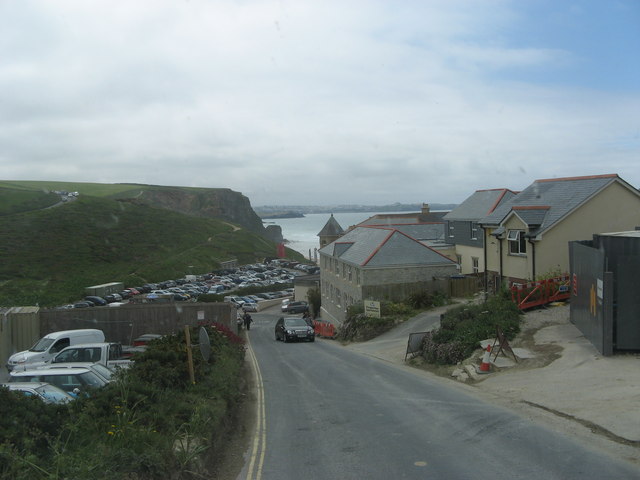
327, 412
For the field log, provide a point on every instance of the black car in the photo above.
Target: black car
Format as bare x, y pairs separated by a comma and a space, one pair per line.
294, 328
297, 307
98, 301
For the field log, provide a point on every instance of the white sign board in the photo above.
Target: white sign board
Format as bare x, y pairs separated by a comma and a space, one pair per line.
372, 308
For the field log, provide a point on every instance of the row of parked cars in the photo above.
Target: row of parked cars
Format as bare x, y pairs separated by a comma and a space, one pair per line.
192, 286
63, 365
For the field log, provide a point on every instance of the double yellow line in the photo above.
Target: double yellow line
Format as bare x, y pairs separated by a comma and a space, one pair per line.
260, 437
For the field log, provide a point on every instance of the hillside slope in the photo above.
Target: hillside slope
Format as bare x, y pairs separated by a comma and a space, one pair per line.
221, 203
49, 256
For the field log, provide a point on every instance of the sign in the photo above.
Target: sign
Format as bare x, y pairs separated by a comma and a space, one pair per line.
372, 308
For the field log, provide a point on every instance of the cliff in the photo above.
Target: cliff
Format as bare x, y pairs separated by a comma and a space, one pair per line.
220, 203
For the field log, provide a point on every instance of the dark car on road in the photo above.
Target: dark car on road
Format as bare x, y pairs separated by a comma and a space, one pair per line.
294, 328
297, 307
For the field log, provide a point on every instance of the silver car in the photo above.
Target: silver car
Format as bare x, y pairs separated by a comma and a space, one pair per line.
46, 392
71, 380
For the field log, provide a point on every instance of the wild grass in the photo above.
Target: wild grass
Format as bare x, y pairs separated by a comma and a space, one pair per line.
48, 257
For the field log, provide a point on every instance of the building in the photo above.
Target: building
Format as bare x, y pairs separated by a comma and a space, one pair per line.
330, 232
464, 232
375, 263
527, 237
604, 300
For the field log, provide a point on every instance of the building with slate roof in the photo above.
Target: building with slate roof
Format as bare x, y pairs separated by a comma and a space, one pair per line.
527, 237
366, 257
330, 232
425, 226
463, 231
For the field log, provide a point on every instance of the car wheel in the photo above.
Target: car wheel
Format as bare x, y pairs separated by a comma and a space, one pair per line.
284, 338
312, 340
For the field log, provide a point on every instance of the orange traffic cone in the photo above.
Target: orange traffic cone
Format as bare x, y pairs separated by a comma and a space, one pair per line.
485, 366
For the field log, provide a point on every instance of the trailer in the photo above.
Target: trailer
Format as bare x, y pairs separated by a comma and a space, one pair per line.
104, 289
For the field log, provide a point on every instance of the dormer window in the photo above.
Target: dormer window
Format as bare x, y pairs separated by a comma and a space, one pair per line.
517, 242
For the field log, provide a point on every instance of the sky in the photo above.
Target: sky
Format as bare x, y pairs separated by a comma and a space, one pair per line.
329, 102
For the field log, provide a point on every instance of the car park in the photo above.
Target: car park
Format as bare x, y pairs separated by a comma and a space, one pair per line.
44, 391
293, 328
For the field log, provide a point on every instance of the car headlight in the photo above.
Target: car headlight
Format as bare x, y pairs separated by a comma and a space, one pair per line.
290, 332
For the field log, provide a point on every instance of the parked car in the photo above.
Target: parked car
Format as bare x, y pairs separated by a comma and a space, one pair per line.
71, 380
293, 328
103, 372
297, 307
250, 307
44, 391
49, 345
285, 304
98, 301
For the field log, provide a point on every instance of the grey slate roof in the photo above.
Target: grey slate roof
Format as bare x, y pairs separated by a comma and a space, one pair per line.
480, 204
392, 219
382, 246
555, 197
331, 228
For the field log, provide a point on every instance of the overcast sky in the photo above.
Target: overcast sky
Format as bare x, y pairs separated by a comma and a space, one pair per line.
320, 102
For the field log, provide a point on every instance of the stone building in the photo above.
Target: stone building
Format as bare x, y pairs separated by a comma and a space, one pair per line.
375, 263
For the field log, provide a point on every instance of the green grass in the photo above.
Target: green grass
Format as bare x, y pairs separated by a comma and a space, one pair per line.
13, 200
48, 257
119, 190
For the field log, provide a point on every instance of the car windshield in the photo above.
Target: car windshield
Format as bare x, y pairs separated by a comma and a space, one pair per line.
102, 370
52, 394
41, 345
295, 322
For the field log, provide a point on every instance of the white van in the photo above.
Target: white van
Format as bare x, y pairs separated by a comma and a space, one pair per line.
45, 348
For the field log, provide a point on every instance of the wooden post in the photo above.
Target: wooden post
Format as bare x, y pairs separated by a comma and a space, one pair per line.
187, 337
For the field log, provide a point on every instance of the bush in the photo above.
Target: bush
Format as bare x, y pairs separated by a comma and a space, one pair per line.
463, 327
150, 423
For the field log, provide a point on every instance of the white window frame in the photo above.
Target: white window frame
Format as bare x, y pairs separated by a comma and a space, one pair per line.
517, 242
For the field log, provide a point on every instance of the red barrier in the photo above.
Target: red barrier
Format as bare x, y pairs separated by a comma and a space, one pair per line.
538, 293
324, 329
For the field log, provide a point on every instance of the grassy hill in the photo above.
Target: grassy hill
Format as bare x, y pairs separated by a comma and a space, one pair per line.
48, 256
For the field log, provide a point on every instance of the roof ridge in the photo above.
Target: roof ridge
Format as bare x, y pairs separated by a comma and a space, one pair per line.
568, 179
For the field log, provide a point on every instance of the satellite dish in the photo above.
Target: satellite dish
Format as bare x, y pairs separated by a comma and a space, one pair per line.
205, 344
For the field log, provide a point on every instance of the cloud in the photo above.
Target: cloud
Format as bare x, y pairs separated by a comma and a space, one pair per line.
300, 102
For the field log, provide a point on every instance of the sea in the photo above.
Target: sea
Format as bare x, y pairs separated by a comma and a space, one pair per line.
301, 234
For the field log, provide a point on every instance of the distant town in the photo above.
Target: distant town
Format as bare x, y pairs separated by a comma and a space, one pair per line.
296, 211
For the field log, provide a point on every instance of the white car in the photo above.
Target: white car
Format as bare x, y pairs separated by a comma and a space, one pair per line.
250, 307
285, 304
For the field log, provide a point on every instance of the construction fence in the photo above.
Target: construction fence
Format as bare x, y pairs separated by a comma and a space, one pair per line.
541, 292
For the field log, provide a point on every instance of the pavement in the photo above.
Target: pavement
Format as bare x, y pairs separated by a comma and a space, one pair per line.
558, 374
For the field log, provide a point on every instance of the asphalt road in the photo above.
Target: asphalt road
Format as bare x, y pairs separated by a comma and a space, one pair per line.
326, 412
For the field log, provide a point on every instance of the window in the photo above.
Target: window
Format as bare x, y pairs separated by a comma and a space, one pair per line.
451, 229
344, 271
459, 259
474, 262
350, 273
474, 231
517, 242
337, 268
357, 276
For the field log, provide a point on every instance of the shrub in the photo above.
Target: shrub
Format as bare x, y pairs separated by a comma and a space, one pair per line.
463, 327
150, 423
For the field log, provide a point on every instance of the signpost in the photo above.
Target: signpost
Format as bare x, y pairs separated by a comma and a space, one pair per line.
372, 308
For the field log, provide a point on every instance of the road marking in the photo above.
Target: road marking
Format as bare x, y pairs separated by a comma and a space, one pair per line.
260, 435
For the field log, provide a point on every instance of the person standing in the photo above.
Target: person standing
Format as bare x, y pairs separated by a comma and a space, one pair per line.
247, 321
